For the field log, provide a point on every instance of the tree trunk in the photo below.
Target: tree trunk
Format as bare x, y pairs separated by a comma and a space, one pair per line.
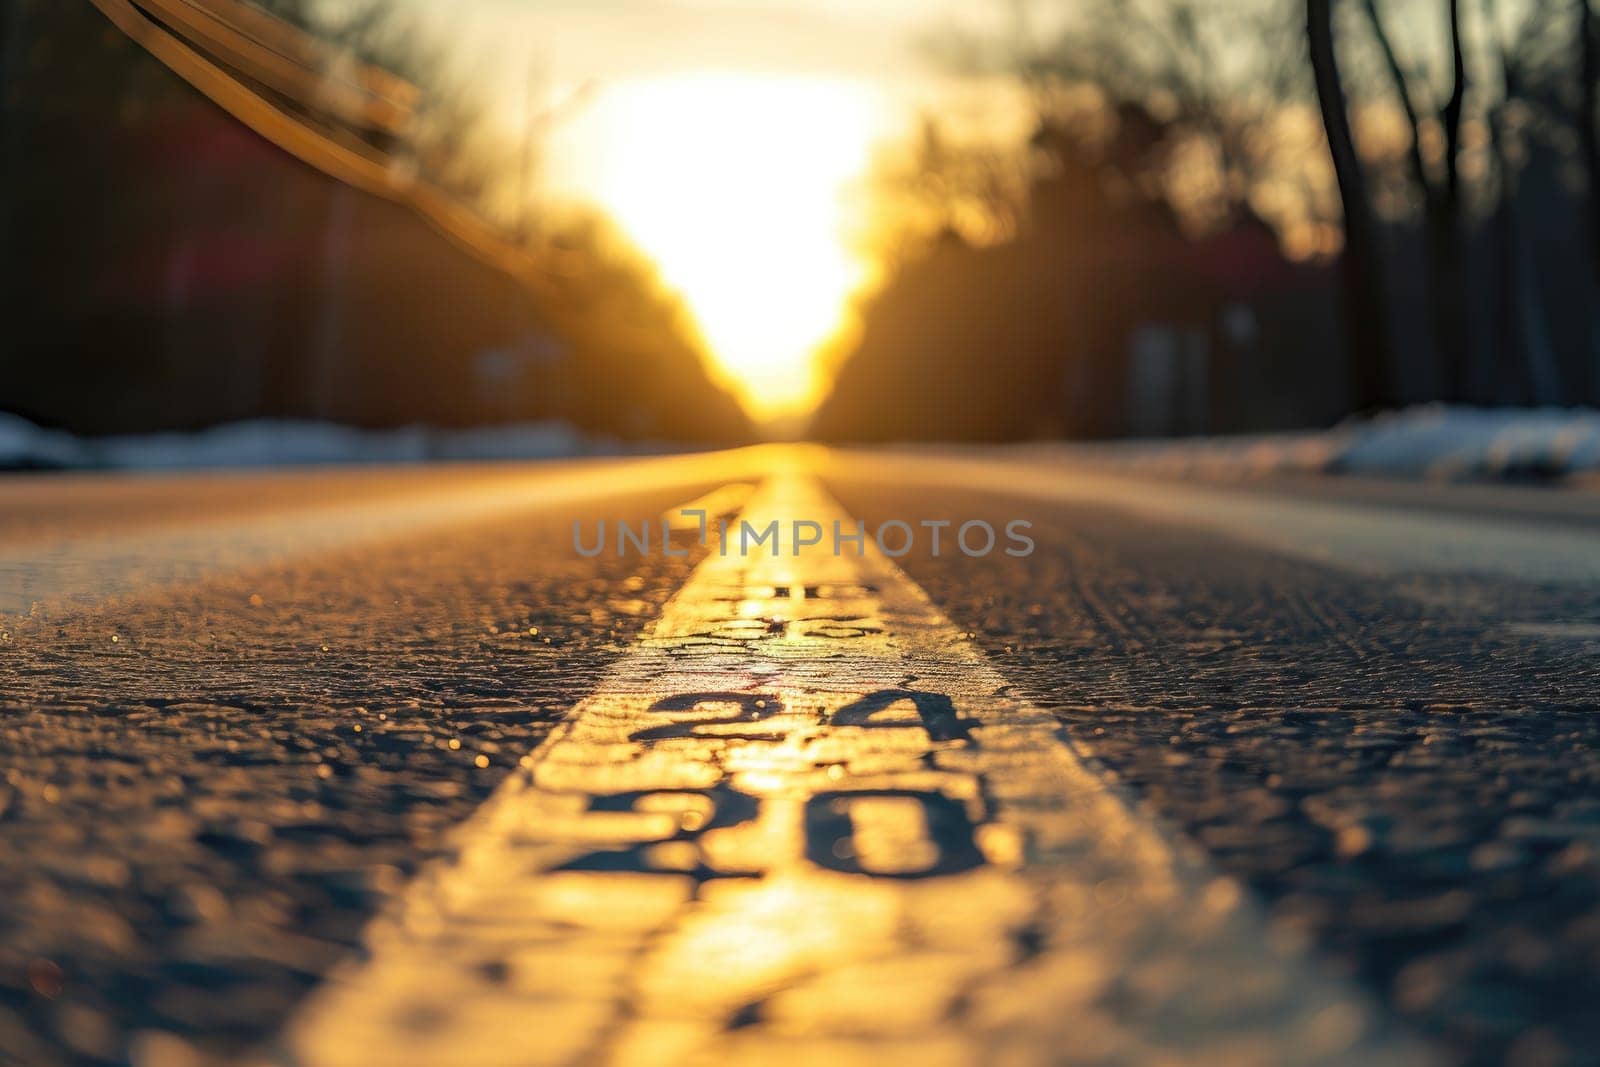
1449, 265
1589, 97
1447, 295
1441, 204
1509, 370
1366, 312
1525, 358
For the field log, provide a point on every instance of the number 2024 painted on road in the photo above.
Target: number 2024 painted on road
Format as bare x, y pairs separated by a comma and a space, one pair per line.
944, 834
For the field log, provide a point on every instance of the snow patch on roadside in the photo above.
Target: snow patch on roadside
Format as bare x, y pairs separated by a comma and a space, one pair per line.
25, 446
284, 442
1434, 442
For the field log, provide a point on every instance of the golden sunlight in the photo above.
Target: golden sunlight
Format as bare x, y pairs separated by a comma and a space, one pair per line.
735, 186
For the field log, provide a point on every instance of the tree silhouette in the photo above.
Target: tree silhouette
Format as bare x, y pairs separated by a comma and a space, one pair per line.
1441, 190
1366, 318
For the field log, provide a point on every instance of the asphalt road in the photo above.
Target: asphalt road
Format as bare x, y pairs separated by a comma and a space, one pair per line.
249, 723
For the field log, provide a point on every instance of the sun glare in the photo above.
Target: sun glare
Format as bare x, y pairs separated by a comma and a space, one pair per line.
735, 186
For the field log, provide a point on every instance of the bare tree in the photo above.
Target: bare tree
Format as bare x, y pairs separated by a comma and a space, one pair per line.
1181, 61
1440, 190
1525, 353
1589, 104
1365, 304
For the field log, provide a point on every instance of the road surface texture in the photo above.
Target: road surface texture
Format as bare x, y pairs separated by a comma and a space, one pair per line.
377, 767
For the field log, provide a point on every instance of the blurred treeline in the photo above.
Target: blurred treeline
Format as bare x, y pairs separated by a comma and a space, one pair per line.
169, 269
1176, 251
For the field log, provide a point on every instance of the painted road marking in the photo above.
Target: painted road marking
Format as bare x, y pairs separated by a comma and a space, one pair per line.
802, 822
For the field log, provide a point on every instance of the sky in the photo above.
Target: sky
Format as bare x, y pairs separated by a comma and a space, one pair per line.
730, 142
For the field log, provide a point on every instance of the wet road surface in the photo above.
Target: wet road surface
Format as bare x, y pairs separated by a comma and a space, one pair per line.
321, 767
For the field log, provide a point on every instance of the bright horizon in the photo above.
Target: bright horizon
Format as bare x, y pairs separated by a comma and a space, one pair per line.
732, 144
729, 144
736, 187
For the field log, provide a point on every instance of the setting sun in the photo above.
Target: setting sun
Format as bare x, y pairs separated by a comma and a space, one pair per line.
735, 186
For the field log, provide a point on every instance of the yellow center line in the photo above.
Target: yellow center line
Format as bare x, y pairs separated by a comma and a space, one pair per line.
802, 822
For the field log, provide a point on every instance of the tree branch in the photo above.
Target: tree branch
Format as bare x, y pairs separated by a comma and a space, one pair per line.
1450, 115
1419, 167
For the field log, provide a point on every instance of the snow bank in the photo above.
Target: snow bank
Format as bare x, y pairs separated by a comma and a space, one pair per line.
1435, 442
1459, 443
1425, 442
24, 446
283, 442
